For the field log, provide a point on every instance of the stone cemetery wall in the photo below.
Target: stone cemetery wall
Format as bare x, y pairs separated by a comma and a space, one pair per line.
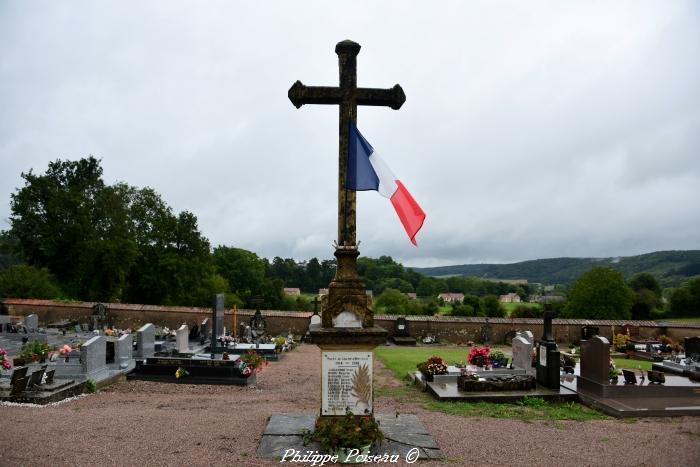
452, 329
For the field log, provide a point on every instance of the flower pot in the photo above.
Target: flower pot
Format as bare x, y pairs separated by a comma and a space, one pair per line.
352, 455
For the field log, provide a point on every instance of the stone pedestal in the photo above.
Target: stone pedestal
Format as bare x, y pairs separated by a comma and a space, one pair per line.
347, 337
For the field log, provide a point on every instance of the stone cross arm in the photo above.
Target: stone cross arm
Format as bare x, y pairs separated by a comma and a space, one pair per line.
301, 94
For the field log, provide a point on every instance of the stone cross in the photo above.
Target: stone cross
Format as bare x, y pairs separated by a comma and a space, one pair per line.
347, 96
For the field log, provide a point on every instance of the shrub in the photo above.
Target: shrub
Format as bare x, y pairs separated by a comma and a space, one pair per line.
23, 281
90, 386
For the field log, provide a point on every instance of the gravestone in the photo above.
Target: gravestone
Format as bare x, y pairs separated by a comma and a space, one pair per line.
36, 377
595, 359
522, 353
31, 322
19, 372
93, 356
19, 386
630, 377
145, 341
258, 324
217, 318
401, 327
529, 336
587, 332
205, 328
182, 339
548, 358
692, 347
124, 351
99, 316
402, 334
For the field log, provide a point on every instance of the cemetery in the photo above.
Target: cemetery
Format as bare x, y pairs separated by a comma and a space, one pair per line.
167, 370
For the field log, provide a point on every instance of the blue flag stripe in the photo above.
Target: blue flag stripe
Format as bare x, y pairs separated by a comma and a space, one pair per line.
361, 175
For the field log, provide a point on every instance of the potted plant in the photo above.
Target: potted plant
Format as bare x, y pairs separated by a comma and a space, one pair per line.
251, 363
431, 367
498, 359
614, 373
349, 437
34, 351
479, 356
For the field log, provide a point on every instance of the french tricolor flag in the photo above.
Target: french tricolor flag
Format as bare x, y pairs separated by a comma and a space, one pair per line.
366, 171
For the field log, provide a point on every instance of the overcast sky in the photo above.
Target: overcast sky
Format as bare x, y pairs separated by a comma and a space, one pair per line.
530, 129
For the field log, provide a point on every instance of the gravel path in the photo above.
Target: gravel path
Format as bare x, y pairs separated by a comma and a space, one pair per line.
139, 423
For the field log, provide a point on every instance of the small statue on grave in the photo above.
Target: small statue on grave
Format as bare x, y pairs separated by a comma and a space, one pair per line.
248, 335
257, 324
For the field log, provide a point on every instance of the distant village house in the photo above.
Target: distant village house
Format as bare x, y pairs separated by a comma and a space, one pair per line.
449, 297
293, 291
509, 298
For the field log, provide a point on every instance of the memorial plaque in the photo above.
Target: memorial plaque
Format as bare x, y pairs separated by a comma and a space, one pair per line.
543, 355
346, 383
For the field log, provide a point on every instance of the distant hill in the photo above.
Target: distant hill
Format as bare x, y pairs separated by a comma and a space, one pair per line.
670, 268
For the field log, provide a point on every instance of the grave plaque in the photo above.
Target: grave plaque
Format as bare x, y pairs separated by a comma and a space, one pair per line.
346, 383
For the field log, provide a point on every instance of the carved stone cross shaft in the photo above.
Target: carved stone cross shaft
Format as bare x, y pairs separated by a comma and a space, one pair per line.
347, 96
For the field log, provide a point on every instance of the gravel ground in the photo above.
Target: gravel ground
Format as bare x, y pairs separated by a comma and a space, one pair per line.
138, 423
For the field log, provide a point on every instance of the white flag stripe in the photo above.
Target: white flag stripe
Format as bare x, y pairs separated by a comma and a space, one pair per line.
387, 179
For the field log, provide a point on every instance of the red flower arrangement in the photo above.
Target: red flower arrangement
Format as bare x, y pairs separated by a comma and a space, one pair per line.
479, 356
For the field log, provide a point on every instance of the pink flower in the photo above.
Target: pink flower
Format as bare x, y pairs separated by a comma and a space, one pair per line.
3, 352
6, 364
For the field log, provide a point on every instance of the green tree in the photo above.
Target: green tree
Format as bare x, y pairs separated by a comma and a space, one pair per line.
685, 300
647, 281
600, 293
243, 269
23, 281
492, 307
475, 303
393, 301
53, 219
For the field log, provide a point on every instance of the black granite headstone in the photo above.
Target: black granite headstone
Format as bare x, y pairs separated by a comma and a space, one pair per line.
548, 358
692, 346
401, 327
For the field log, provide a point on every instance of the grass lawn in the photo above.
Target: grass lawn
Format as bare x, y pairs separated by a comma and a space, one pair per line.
401, 360
512, 306
631, 364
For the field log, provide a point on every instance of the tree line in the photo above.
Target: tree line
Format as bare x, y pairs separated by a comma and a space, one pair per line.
73, 236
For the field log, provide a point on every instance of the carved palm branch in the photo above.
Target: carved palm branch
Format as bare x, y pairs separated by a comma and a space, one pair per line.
362, 384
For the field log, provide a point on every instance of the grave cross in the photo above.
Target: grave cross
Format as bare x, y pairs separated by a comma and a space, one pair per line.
316, 302
347, 96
